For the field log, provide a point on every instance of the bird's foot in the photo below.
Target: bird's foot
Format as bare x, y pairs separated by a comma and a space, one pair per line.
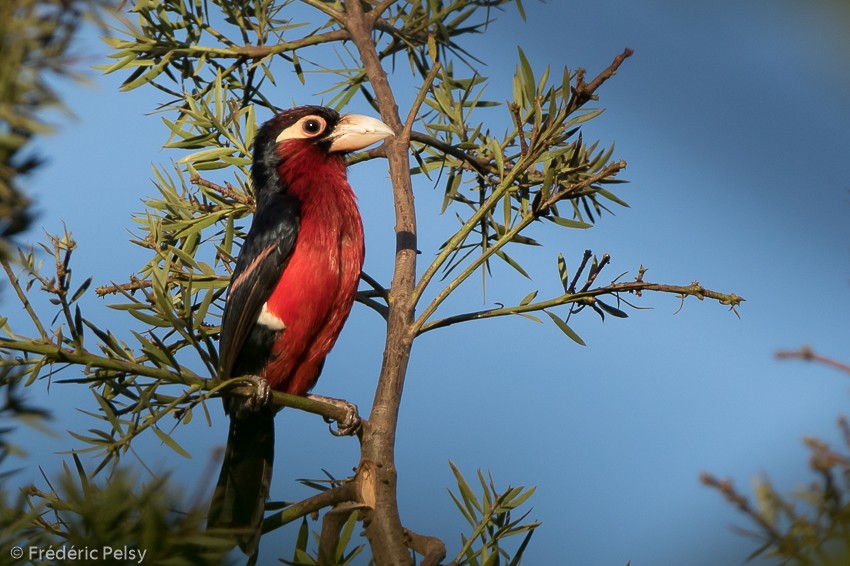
350, 425
261, 394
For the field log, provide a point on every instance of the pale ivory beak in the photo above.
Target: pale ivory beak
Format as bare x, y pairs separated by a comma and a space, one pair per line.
355, 131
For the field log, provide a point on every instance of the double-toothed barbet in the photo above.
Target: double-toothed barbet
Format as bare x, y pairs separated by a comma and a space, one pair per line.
292, 289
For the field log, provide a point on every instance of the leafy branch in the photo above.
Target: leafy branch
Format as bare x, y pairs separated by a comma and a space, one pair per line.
214, 63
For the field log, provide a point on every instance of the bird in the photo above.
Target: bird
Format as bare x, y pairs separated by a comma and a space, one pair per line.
291, 290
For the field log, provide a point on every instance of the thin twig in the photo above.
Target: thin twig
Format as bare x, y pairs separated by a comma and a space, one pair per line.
378, 11
136, 284
372, 282
246, 52
92, 362
692, 290
479, 165
807, 354
727, 489
523, 143
226, 191
585, 91
323, 7
584, 259
420, 99
369, 154
595, 270
379, 308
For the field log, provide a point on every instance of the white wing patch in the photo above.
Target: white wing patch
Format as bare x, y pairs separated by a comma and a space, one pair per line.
269, 320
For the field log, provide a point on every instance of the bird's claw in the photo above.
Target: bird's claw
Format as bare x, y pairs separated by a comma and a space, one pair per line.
260, 397
350, 424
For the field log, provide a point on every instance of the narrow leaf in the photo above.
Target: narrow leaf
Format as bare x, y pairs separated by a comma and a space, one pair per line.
566, 329
170, 442
528, 298
611, 310
562, 272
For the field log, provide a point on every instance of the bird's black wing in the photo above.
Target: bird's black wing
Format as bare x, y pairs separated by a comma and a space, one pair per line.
261, 261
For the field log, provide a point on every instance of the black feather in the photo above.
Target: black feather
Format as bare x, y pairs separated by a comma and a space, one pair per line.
261, 262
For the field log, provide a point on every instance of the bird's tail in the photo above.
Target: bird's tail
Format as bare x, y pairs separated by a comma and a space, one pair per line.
243, 485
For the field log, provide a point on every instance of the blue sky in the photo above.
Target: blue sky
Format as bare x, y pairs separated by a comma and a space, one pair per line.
733, 118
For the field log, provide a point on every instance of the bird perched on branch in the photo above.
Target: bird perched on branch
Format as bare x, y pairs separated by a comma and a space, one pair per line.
292, 289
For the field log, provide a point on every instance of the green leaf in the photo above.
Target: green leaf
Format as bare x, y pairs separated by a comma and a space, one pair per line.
569, 223
528, 298
510, 261
562, 273
170, 442
109, 413
611, 310
303, 538
345, 535
522, 496
205, 155
465, 491
296, 65
566, 329
528, 83
610, 196
520, 9
585, 117
498, 156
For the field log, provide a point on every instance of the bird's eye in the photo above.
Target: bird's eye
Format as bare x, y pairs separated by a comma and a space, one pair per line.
312, 126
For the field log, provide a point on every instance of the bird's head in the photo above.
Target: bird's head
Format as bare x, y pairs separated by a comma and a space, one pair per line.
312, 135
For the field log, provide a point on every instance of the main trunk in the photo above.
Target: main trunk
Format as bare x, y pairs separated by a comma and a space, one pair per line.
377, 471
382, 522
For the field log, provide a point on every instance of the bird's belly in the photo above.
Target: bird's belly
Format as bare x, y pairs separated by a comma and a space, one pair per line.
309, 305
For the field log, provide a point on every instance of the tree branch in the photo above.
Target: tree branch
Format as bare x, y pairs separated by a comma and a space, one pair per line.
531, 216
479, 165
332, 523
417, 103
727, 489
323, 7
243, 386
378, 11
807, 354
248, 52
583, 92
432, 549
340, 494
136, 284
692, 290
56, 354
225, 191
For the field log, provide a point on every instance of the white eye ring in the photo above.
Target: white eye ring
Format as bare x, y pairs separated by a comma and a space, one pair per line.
308, 127
313, 125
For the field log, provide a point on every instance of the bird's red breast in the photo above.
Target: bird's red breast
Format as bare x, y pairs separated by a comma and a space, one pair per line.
316, 290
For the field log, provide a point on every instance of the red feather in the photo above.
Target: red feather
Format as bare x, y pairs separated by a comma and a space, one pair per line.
316, 290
